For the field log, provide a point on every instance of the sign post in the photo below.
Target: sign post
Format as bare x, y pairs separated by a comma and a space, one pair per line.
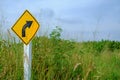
25, 28
27, 61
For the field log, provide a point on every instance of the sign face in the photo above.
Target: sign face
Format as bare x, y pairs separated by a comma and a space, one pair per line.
26, 27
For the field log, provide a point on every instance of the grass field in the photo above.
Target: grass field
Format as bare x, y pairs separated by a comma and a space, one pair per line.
58, 59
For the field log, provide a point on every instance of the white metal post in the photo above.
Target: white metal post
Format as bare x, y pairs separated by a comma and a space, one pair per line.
27, 61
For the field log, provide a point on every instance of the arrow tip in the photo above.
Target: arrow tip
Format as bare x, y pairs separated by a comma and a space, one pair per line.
29, 23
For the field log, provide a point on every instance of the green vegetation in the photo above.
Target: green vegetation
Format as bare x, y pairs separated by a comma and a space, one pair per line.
58, 59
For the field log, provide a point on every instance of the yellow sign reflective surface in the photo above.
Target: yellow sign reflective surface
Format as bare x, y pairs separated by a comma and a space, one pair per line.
26, 27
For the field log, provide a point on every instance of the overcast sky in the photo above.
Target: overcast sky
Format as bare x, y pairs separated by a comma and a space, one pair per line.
79, 19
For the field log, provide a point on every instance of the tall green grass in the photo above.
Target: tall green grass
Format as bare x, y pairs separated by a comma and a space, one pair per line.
56, 59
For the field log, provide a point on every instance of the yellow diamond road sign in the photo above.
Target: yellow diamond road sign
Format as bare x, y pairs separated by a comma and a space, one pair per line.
26, 27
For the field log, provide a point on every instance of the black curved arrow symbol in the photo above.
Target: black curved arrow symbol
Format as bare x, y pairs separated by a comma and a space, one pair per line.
28, 24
